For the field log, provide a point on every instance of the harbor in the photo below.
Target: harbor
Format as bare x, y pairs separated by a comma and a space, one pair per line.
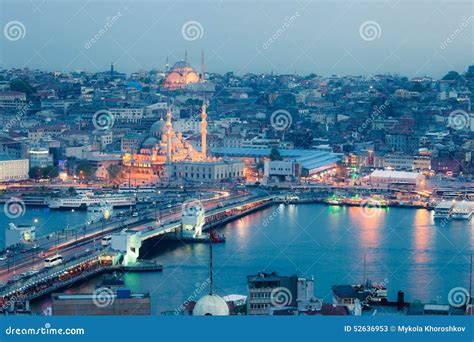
413, 233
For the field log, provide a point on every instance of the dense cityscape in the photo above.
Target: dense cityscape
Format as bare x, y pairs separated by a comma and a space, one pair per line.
164, 162
100, 141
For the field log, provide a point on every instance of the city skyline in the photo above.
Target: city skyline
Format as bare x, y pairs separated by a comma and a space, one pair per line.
309, 37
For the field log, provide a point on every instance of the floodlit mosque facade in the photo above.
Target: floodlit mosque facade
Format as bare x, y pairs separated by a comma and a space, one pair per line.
165, 156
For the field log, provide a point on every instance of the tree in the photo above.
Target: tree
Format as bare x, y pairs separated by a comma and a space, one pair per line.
115, 172
35, 173
22, 86
43, 172
275, 155
84, 169
451, 76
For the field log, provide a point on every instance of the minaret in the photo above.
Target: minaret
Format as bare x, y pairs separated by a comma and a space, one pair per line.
167, 65
185, 68
203, 115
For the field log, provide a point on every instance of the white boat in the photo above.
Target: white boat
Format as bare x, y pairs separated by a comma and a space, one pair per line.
83, 201
443, 210
462, 210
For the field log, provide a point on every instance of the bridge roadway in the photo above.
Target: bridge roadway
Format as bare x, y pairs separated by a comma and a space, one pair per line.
73, 250
72, 242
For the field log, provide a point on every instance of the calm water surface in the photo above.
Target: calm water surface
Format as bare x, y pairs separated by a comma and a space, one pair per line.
405, 248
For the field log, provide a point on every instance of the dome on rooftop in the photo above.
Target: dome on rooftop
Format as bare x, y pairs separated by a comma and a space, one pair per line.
157, 128
150, 142
211, 305
180, 75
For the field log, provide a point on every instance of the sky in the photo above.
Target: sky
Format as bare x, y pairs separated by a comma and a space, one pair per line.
408, 37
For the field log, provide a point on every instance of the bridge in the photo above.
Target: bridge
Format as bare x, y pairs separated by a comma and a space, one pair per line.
83, 258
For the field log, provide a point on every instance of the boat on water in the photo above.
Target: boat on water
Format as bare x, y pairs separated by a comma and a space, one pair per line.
443, 210
84, 200
462, 210
334, 200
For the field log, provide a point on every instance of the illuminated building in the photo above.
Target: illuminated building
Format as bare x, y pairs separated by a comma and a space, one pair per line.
13, 169
164, 155
181, 75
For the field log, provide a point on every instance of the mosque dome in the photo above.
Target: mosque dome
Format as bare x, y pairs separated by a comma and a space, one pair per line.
157, 128
180, 75
150, 142
211, 305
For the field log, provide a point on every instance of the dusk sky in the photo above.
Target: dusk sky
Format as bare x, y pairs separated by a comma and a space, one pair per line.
413, 38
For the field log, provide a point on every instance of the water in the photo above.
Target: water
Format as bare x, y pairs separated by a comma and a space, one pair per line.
45, 220
405, 248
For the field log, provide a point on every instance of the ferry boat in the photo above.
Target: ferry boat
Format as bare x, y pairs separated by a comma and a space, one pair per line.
83, 201
462, 211
443, 210
334, 200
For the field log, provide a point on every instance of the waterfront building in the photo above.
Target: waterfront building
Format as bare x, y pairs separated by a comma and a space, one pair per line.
40, 157
407, 162
270, 292
282, 170
208, 171
307, 162
402, 178
13, 169
120, 303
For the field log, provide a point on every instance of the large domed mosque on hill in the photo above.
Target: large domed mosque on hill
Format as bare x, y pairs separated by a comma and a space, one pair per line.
181, 75
164, 155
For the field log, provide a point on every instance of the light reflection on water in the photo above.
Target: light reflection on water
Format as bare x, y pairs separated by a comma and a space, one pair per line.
405, 248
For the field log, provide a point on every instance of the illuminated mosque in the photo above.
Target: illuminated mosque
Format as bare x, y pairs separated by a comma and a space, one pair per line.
181, 75
164, 155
